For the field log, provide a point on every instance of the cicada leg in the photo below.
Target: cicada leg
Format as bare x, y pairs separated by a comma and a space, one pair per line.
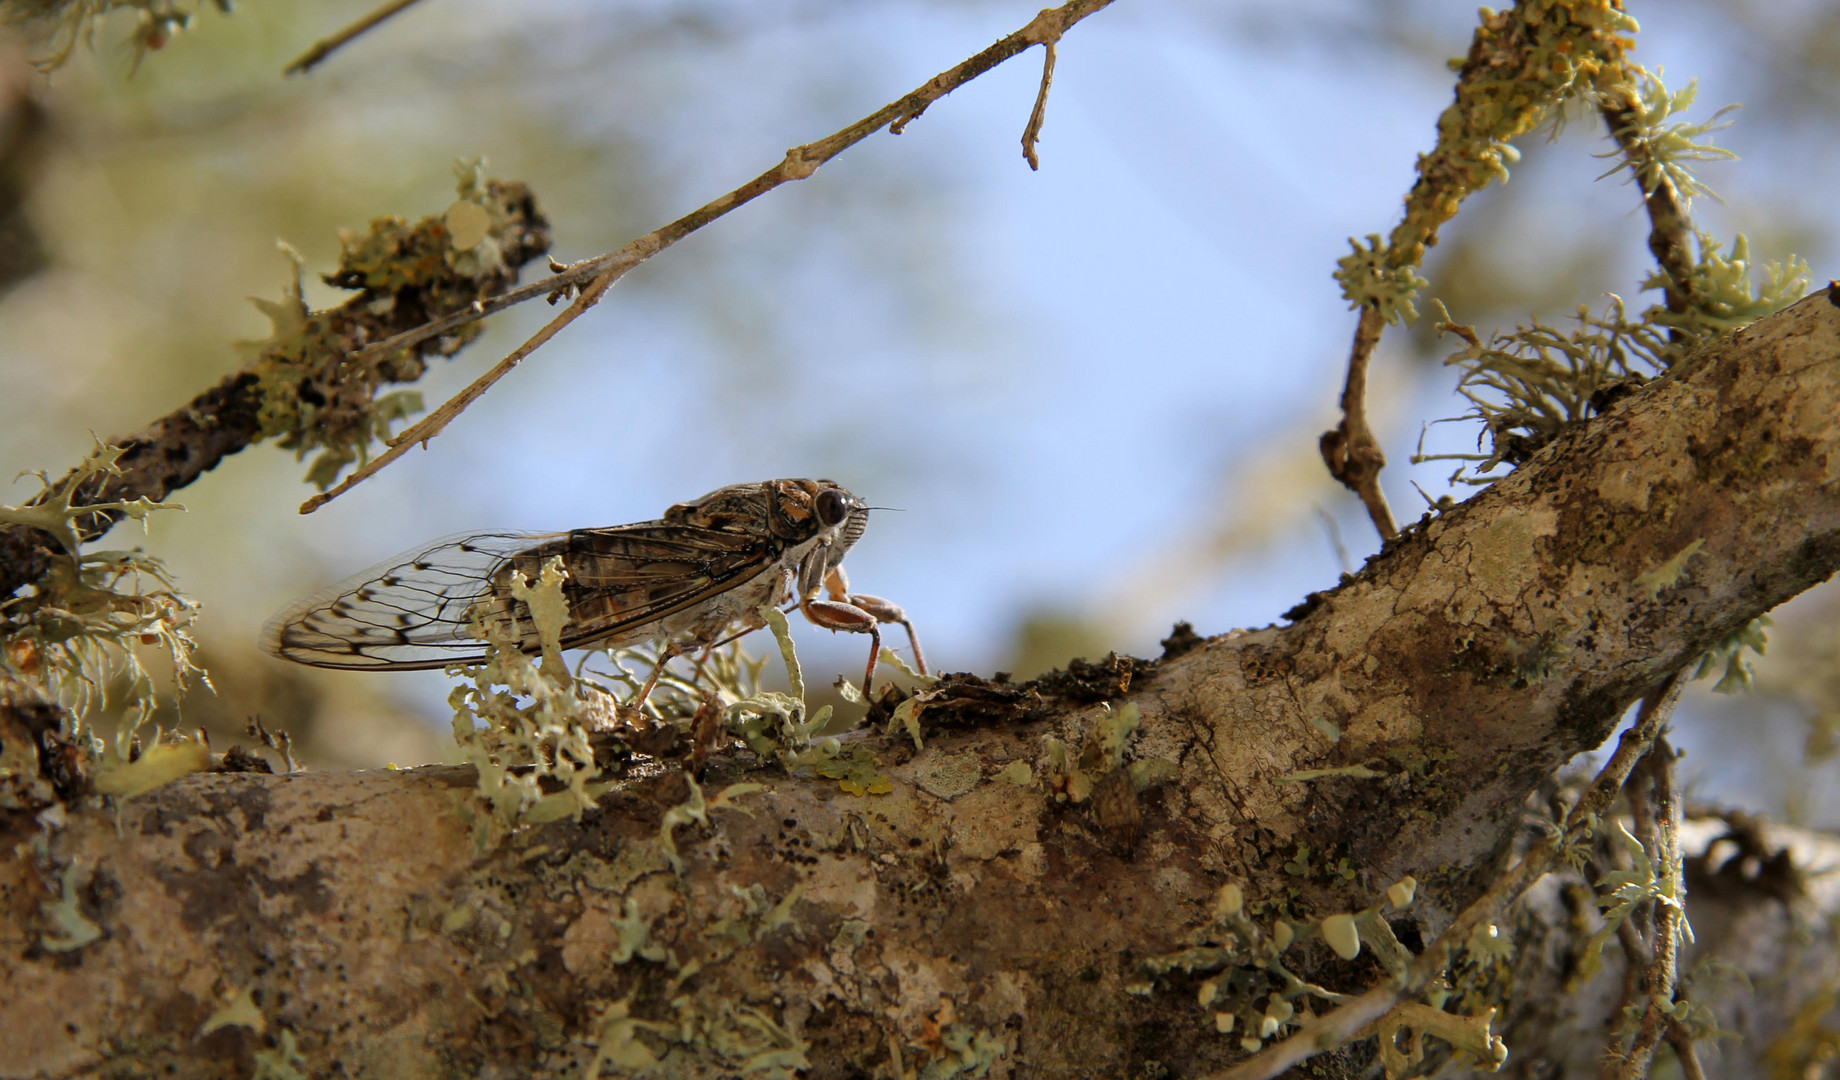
838, 585
671, 651
859, 614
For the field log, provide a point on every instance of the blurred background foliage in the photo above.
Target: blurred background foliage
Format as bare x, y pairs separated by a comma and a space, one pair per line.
1094, 390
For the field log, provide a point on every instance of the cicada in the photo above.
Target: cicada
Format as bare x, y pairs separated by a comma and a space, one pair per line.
691, 579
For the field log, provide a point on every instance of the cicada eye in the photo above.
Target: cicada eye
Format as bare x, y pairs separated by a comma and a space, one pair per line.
833, 505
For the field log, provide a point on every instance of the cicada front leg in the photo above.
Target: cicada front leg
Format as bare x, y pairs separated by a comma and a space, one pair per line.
861, 614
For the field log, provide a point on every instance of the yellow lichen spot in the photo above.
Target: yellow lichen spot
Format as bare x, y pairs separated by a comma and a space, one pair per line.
159, 766
1339, 931
1207, 992
1019, 773
877, 786
1667, 575
1281, 935
1230, 901
467, 224
1225, 1022
239, 1011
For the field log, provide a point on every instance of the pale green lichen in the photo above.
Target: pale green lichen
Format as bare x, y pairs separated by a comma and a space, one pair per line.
240, 1011
1103, 750
1529, 384
70, 928
1252, 992
1370, 279
963, 1051
1666, 574
283, 1062
1621, 892
156, 767
1723, 297
739, 1039
81, 634
696, 809
1730, 652
1660, 149
314, 398
525, 724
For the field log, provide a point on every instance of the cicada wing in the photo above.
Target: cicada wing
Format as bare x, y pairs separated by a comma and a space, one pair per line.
407, 613
416, 611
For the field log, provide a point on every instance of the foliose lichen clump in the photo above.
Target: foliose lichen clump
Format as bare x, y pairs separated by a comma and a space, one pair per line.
319, 394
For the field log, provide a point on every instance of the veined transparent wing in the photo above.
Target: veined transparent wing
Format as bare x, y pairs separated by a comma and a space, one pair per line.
408, 612
415, 611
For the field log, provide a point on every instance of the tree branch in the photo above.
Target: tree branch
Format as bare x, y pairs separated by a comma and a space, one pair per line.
985, 911
1352, 1020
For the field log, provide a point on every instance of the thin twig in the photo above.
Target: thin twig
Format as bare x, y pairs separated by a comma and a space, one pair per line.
1350, 450
1670, 229
1031, 133
325, 47
799, 163
1662, 969
431, 425
1340, 1025
1682, 1041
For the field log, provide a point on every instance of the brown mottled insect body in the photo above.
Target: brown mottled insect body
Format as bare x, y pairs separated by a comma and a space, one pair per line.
686, 579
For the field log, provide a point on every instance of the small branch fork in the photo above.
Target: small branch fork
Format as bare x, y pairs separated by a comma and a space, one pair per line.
594, 276
327, 46
1352, 1020
1350, 451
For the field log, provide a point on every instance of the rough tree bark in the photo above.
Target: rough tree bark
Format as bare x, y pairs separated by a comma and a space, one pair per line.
369, 924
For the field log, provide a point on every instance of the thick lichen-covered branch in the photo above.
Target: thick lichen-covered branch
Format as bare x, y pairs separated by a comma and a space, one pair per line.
1032, 873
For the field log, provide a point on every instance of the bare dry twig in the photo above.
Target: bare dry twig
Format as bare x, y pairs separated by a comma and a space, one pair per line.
1341, 1025
1682, 1041
326, 46
594, 276
1031, 134
1350, 450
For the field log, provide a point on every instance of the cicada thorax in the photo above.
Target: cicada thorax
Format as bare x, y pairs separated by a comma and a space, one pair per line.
785, 510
